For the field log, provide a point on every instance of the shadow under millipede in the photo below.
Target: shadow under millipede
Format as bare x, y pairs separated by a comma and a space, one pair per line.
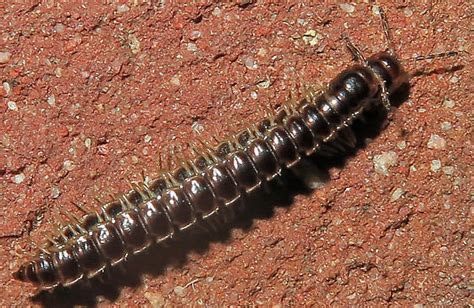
259, 205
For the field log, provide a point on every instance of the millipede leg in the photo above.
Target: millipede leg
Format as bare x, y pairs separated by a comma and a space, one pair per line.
347, 137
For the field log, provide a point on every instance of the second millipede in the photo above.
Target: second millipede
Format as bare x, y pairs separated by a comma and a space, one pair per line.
216, 178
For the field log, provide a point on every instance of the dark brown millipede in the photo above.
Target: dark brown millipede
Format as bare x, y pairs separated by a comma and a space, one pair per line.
208, 185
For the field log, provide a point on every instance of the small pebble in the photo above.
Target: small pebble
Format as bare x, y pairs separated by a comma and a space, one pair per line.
191, 47
397, 193
7, 87
135, 159
402, 144
51, 100
180, 291
301, 21
147, 138
448, 103
58, 72
17, 179
253, 95
12, 106
347, 7
197, 127
384, 161
448, 170
352, 296
156, 299
262, 52
175, 80
88, 143
68, 165
122, 8
217, 11
195, 35
454, 79
264, 84
436, 142
435, 165
446, 126
55, 192
5, 56
312, 37
59, 27
376, 10
408, 12
85, 74
250, 63
134, 44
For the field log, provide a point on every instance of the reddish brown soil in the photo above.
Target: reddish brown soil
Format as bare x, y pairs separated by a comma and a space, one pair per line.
92, 93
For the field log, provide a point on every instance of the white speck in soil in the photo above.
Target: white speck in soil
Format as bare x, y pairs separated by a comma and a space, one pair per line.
312, 37
5, 56
191, 47
448, 170
264, 84
68, 165
217, 11
197, 127
436, 142
147, 138
447, 103
407, 12
347, 7
397, 193
12, 106
250, 63
435, 165
180, 291
7, 87
376, 10
134, 44
446, 126
58, 72
454, 79
55, 192
122, 8
59, 27
402, 144
155, 299
195, 35
384, 161
175, 80
51, 100
18, 178
88, 143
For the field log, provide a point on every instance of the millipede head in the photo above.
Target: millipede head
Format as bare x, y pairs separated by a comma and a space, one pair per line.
389, 70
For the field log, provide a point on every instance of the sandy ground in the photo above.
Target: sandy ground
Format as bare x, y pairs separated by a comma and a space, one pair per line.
91, 93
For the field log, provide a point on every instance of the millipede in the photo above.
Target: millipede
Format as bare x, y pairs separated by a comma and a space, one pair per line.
209, 185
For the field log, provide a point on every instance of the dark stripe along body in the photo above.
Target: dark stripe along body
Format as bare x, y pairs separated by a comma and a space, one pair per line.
213, 181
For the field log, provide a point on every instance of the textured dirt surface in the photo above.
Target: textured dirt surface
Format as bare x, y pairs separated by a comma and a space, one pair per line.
91, 93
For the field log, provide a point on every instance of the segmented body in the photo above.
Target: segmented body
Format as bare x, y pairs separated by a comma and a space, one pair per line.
216, 178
